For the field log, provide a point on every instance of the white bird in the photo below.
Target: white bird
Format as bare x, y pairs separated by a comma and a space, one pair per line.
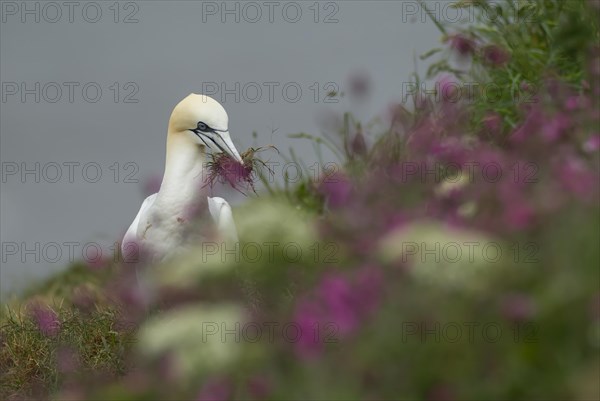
170, 220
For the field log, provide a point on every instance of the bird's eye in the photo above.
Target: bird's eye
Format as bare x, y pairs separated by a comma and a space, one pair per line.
202, 126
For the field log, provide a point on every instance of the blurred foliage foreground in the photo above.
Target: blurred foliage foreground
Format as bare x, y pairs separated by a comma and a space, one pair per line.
453, 254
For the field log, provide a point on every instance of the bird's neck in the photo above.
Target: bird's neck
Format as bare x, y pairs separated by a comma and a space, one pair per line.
184, 173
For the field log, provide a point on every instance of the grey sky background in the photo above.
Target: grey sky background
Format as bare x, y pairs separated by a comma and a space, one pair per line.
174, 48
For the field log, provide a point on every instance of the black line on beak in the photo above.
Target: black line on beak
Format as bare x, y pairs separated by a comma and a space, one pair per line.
200, 135
218, 146
197, 132
231, 152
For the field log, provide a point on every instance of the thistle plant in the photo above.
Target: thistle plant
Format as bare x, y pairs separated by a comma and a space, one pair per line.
224, 168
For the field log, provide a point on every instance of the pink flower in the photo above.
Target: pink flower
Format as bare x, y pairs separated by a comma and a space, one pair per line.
496, 55
227, 169
336, 188
449, 150
518, 307
592, 144
358, 144
527, 129
577, 178
45, 319
461, 44
492, 122
215, 389
553, 129
519, 215
449, 89
337, 302
572, 103
340, 303
308, 317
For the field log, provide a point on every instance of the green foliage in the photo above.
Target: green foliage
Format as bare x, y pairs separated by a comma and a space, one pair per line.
35, 364
543, 39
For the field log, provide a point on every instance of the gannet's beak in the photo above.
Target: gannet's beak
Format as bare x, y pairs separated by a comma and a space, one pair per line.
219, 141
229, 146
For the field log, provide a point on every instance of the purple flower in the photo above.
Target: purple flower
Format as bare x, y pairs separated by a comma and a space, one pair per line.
519, 215
358, 144
555, 127
45, 319
592, 144
226, 169
492, 122
215, 389
448, 89
495, 55
308, 317
450, 150
336, 189
572, 103
461, 44
526, 130
518, 307
395, 220
577, 178
340, 303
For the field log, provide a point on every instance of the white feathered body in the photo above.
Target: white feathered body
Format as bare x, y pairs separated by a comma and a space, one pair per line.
159, 232
180, 215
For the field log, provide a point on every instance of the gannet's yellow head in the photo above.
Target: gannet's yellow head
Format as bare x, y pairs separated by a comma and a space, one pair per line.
204, 121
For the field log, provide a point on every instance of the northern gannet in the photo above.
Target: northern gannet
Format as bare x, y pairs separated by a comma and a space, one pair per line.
171, 219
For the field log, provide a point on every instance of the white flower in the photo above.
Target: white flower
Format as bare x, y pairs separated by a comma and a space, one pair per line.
270, 228
190, 268
200, 338
441, 255
448, 185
